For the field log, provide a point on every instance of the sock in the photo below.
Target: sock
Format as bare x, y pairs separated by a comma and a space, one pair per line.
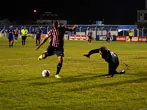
36, 43
58, 68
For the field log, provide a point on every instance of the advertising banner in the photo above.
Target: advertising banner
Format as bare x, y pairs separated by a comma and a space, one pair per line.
142, 39
78, 37
121, 38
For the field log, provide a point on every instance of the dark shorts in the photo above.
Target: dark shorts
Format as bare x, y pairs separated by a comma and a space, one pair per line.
38, 38
89, 37
53, 50
23, 37
130, 37
10, 38
108, 38
16, 35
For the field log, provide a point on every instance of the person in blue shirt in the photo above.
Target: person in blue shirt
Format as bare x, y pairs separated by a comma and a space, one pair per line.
38, 35
10, 34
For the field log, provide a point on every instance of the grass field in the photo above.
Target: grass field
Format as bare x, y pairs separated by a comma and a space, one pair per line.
83, 87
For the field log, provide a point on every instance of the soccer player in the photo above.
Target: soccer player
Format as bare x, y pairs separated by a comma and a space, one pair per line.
38, 35
16, 33
10, 34
24, 33
56, 35
130, 35
89, 36
110, 57
108, 36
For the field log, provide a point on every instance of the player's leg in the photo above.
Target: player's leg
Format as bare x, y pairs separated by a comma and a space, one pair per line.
36, 42
22, 40
111, 70
39, 41
90, 39
60, 54
59, 66
12, 42
25, 39
49, 52
9, 43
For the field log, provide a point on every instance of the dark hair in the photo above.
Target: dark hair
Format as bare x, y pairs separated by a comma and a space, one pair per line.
104, 51
103, 48
56, 22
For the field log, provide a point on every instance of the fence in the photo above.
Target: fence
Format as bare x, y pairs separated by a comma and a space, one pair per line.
97, 30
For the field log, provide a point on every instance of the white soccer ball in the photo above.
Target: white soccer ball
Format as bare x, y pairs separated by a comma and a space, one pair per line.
45, 73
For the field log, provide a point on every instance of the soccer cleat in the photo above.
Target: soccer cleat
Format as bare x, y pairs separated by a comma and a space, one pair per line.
123, 72
58, 77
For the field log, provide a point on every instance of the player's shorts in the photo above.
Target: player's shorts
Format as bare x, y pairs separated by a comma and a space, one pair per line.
23, 37
54, 50
89, 37
10, 38
38, 37
16, 35
130, 37
108, 38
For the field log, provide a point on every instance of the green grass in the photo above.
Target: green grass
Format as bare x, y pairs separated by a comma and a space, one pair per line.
84, 86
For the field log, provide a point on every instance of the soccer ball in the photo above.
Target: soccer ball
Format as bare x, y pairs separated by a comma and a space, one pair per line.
45, 73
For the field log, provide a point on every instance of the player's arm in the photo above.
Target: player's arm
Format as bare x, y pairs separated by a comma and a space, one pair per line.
71, 29
91, 52
44, 40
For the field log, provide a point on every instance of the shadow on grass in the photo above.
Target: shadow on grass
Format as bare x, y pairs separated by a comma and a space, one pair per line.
140, 80
21, 80
77, 78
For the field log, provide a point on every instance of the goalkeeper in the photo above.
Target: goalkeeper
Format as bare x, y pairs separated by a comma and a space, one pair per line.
110, 57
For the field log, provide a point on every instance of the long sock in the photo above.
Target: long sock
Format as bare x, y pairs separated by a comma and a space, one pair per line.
22, 42
36, 43
58, 68
12, 45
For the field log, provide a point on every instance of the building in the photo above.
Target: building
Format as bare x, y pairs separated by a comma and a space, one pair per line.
142, 15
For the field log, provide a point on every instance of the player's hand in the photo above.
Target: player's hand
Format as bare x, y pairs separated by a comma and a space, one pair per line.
86, 55
75, 26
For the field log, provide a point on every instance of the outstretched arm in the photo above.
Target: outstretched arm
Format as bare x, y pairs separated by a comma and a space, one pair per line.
44, 40
71, 29
91, 52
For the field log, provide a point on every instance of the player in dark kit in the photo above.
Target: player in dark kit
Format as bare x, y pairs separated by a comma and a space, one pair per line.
16, 33
56, 46
38, 35
110, 57
10, 34
108, 36
89, 36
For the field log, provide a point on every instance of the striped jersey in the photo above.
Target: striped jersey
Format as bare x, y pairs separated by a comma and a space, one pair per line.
57, 36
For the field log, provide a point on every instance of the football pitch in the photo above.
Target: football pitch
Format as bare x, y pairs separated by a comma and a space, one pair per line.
84, 85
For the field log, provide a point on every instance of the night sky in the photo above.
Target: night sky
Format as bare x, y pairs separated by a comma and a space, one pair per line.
78, 11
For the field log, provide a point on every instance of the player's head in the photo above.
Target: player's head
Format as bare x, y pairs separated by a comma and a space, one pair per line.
103, 50
10, 26
24, 27
55, 24
38, 27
